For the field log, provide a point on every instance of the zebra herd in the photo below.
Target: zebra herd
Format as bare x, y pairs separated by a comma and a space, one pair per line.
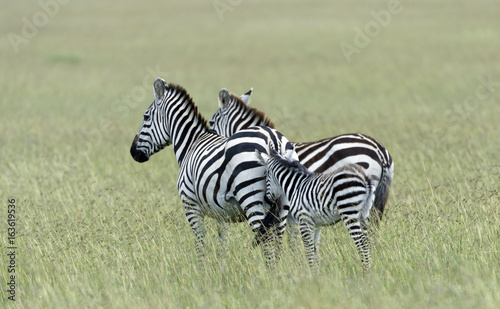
239, 168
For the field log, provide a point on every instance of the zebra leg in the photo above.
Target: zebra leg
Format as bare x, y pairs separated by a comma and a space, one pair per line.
317, 235
222, 228
269, 247
197, 224
306, 230
357, 230
284, 207
263, 227
291, 230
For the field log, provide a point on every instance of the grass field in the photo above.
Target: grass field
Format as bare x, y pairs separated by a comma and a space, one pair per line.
95, 229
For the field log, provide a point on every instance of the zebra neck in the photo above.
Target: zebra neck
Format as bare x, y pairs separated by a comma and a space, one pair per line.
248, 117
291, 182
187, 126
247, 121
257, 120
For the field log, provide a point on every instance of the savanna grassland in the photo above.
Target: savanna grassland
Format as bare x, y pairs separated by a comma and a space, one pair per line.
95, 229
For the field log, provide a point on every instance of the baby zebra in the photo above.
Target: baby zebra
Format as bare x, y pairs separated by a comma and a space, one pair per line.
322, 199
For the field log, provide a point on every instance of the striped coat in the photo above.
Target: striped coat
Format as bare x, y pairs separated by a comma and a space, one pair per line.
219, 177
316, 200
323, 156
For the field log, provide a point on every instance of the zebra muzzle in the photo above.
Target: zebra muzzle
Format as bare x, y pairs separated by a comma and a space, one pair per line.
138, 155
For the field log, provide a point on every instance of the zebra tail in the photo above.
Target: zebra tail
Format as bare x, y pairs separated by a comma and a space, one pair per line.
382, 192
368, 202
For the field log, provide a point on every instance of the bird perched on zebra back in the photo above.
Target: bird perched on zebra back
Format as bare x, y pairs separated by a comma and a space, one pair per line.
315, 200
322, 156
219, 177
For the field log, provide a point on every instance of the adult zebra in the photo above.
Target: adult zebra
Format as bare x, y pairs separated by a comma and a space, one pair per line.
219, 177
317, 199
323, 156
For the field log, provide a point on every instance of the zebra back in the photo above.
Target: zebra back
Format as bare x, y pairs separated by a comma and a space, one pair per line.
303, 187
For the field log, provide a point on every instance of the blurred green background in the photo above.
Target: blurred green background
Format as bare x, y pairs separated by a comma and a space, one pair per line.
96, 229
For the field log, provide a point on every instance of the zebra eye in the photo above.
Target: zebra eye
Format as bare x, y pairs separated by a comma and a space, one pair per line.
146, 117
211, 123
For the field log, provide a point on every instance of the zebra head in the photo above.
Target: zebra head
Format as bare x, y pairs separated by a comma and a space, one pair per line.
153, 135
271, 162
235, 114
219, 122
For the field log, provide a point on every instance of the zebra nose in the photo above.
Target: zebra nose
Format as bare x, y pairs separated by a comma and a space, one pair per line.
138, 155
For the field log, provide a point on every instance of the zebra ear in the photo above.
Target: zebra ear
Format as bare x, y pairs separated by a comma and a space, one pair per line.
159, 88
290, 153
262, 157
223, 98
246, 97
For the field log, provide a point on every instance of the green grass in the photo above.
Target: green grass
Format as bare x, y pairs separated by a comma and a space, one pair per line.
96, 229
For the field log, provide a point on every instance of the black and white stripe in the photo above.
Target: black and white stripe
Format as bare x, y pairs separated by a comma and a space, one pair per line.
316, 200
323, 156
219, 177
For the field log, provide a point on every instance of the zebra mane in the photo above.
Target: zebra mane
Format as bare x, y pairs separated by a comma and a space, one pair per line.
295, 166
189, 100
242, 106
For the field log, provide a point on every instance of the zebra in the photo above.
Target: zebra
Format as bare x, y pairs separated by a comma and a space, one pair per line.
315, 200
322, 156
218, 177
